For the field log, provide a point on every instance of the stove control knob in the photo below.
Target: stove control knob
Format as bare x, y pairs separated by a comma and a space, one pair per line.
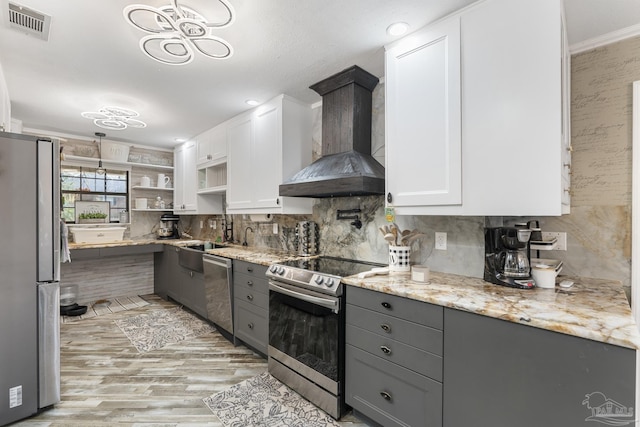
281, 270
319, 280
329, 283
273, 269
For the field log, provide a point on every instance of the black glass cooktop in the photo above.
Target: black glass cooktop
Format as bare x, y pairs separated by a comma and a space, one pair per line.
335, 266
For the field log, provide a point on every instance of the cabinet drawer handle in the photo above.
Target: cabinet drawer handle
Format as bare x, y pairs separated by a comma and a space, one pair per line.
249, 283
386, 396
250, 325
250, 270
191, 274
209, 157
385, 349
386, 305
386, 328
250, 297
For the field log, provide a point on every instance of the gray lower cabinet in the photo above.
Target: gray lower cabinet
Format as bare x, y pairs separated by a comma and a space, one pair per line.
179, 283
503, 374
251, 304
393, 359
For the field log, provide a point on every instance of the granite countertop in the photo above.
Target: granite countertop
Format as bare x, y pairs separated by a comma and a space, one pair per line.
260, 256
595, 309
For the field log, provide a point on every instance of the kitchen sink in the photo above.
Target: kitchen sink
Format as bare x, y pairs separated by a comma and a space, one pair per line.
196, 247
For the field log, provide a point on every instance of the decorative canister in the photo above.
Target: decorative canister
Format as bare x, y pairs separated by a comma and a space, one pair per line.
399, 257
307, 238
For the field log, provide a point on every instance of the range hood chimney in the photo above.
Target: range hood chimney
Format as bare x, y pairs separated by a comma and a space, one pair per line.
346, 167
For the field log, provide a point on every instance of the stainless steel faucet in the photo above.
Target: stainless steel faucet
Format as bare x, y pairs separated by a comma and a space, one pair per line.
244, 243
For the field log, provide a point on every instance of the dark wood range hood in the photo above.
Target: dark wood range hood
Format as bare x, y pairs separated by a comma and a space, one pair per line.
346, 167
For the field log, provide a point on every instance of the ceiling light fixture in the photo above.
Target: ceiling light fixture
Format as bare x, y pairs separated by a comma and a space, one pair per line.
114, 118
100, 170
180, 140
397, 28
252, 102
177, 32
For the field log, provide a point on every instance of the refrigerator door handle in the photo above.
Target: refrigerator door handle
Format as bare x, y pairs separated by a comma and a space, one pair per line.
48, 210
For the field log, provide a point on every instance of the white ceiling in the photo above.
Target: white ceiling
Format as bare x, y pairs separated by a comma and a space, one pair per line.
92, 59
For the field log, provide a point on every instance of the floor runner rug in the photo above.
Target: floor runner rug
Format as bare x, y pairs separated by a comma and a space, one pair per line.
99, 308
159, 328
263, 401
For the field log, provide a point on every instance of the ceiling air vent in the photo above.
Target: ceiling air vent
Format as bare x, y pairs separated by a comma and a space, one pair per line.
27, 20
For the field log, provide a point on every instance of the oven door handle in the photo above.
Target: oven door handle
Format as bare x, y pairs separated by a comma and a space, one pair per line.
331, 304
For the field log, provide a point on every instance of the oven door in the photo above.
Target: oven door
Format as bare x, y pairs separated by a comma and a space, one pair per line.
306, 334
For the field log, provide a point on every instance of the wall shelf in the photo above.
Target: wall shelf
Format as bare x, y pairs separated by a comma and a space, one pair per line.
140, 187
213, 190
107, 163
152, 210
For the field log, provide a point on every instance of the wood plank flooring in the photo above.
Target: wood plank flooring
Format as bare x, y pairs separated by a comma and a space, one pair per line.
106, 382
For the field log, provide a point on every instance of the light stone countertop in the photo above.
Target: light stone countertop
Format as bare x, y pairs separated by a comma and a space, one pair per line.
595, 309
260, 256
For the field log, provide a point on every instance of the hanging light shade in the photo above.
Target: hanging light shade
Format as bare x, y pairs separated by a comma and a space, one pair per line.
101, 170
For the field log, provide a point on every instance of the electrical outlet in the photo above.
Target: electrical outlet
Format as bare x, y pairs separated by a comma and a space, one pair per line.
212, 224
441, 240
201, 224
275, 228
561, 244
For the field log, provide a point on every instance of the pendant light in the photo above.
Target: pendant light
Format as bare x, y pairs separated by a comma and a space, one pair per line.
100, 170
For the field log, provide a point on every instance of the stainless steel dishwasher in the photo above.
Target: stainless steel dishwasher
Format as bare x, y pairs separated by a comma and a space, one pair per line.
218, 283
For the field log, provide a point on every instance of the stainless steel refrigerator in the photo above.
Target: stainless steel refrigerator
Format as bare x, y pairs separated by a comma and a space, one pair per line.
29, 275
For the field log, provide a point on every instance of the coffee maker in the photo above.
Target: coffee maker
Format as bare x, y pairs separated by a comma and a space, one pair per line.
168, 227
507, 257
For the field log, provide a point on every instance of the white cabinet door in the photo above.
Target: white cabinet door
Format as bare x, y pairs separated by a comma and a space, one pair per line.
212, 145
267, 156
239, 164
185, 177
423, 164
5, 105
513, 116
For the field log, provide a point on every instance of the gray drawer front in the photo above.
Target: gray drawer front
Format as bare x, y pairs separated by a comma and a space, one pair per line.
259, 284
414, 400
413, 334
408, 357
249, 294
415, 311
249, 268
252, 325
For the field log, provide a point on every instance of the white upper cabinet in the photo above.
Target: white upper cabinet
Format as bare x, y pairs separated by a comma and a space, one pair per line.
266, 146
212, 145
510, 111
423, 118
186, 200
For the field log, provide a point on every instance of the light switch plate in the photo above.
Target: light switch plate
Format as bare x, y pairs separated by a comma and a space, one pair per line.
275, 228
441, 241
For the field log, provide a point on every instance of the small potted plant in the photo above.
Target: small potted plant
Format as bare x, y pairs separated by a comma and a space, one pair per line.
92, 218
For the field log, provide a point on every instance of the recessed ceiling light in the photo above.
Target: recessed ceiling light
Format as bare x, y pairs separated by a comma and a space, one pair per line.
252, 102
180, 140
397, 28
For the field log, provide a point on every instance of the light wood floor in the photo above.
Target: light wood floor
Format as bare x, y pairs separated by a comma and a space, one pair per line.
106, 382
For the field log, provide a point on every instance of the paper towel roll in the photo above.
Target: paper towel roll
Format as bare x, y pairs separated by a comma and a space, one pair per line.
261, 217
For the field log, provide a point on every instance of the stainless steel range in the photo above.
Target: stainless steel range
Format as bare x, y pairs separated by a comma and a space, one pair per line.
306, 327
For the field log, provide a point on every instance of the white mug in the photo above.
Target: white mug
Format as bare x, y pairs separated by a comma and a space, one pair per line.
145, 181
163, 180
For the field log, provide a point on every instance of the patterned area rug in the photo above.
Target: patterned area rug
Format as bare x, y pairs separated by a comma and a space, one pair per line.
116, 305
263, 401
159, 328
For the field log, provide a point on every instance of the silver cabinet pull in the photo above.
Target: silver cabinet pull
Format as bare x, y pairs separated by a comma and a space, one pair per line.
250, 297
386, 396
386, 328
386, 305
250, 325
249, 283
385, 349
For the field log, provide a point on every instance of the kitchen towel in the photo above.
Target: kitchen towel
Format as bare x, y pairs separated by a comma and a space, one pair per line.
65, 254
